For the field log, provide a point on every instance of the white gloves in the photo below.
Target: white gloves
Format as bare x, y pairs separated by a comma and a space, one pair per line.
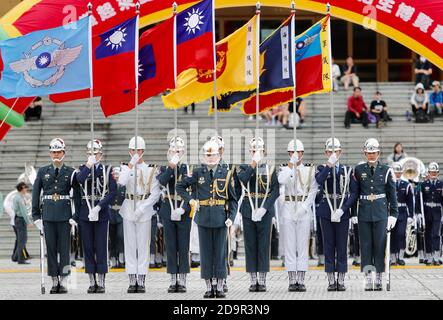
175, 159
159, 225
138, 212
176, 214
410, 220
294, 159
39, 224
301, 211
274, 221
354, 220
336, 216
228, 222
72, 222
135, 158
259, 213
93, 214
257, 157
194, 204
332, 159
391, 222
91, 161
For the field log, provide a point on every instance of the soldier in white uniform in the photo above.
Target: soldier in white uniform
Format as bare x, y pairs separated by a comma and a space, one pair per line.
300, 191
137, 220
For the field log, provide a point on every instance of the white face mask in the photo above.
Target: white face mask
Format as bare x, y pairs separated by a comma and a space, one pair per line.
422, 59
212, 160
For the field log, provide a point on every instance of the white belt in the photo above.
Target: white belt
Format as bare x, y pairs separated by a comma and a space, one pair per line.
402, 204
372, 197
432, 205
56, 197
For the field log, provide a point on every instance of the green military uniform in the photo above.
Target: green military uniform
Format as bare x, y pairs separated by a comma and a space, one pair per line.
54, 209
213, 189
377, 201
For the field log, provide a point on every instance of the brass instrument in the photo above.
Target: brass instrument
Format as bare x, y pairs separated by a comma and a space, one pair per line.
413, 169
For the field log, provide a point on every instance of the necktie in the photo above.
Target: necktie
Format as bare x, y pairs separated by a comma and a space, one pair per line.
211, 174
372, 170
56, 172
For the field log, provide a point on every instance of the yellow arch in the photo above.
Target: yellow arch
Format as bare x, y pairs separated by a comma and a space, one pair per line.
313, 6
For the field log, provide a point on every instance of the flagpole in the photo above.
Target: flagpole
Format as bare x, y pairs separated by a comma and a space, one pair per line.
174, 9
257, 95
294, 97
331, 102
137, 12
9, 111
91, 105
215, 103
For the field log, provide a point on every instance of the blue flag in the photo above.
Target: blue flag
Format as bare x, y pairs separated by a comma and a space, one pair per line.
45, 62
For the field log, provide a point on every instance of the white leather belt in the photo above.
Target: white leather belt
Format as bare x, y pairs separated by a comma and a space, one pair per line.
402, 204
372, 197
56, 197
432, 205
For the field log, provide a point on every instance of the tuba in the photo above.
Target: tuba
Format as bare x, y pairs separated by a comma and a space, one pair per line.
413, 169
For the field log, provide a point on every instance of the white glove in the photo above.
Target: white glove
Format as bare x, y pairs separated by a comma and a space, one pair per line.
339, 212
39, 224
93, 214
257, 157
294, 159
135, 158
194, 203
410, 220
179, 211
159, 225
91, 161
260, 213
354, 220
228, 222
299, 213
138, 212
332, 159
391, 222
72, 222
175, 159
274, 221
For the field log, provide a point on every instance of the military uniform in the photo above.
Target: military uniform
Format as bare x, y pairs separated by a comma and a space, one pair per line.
95, 233
377, 201
116, 242
405, 200
53, 207
432, 195
213, 188
335, 234
257, 234
177, 231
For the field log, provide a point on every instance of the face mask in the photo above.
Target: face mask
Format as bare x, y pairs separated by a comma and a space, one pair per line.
212, 160
422, 59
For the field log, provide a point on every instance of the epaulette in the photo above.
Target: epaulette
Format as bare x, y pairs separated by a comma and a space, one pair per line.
152, 165
124, 163
284, 165
309, 164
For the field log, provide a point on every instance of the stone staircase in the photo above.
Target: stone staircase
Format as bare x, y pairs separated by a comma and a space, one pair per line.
70, 121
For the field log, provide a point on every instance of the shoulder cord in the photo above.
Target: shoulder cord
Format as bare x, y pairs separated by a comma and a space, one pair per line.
247, 189
175, 195
343, 189
305, 186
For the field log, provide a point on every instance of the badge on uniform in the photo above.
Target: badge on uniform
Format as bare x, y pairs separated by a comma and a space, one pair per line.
47, 176
201, 180
364, 175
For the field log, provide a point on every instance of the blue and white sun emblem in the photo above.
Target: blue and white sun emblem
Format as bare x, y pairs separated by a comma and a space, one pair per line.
43, 60
116, 39
194, 20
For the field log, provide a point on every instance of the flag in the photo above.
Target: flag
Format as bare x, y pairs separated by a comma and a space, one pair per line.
235, 70
20, 107
45, 62
313, 70
195, 37
113, 62
156, 56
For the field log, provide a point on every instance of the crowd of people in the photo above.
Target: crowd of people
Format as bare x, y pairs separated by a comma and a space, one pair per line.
181, 216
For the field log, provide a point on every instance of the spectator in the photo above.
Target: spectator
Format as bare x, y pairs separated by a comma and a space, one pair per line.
34, 109
380, 110
349, 74
419, 100
357, 109
21, 223
423, 71
336, 73
300, 108
397, 155
435, 99
192, 108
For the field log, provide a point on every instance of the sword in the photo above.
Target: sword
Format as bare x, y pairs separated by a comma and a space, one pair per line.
387, 261
42, 263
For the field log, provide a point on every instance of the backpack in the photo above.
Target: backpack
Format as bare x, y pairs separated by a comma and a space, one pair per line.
421, 117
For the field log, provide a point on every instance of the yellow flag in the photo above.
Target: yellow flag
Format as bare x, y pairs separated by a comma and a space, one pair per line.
236, 70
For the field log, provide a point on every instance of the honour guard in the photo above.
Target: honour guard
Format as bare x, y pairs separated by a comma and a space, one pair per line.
137, 210
257, 212
405, 200
98, 191
419, 218
212, 187
377, 212
52, 212
116, 240
300, 190
334, 218
175, 214
432, 202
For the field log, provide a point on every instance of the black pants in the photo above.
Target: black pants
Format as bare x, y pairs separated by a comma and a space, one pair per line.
58, 238
350, 115
381, 116
414, 109
177, 234
95, 246
373, 244
257, 237
432, 235
335, 237
22, 237
319, 238
424, 79
192, 108
398, 236
354, 242
116, 240
212, 252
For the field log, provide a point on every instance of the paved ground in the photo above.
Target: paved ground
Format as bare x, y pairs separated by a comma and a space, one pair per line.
411, 282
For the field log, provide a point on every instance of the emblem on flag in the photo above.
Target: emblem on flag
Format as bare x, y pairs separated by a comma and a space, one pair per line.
194, 20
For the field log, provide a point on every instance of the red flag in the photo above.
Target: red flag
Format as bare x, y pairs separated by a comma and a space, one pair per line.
20, 106
156, 72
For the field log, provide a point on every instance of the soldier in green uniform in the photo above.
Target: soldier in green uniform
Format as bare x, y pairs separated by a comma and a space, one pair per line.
377, 211
212, 187
52, 213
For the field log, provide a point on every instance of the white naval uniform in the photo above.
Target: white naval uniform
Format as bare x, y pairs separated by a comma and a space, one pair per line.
137, 232
296, 233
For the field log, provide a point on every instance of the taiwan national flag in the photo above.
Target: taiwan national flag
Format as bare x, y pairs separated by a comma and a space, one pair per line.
155, 72
195, 42
113, 62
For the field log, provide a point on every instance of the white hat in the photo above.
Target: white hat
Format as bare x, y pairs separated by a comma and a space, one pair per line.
371, 145
57, 144
97, 147
291, 147
256, 144
141, 145
330, 147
